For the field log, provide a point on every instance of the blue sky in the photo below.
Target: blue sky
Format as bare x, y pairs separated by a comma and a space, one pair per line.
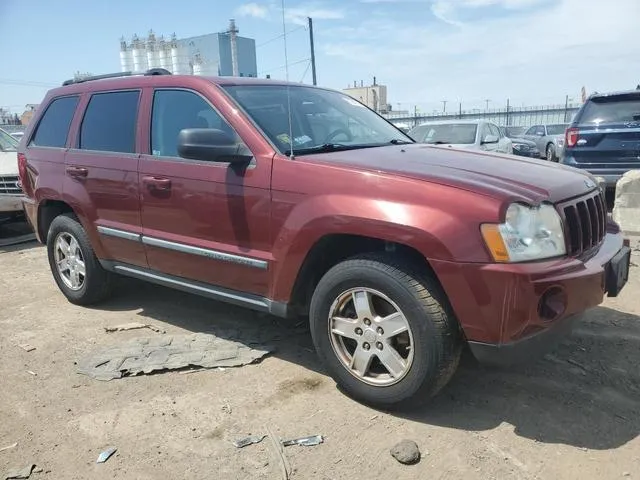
425, 51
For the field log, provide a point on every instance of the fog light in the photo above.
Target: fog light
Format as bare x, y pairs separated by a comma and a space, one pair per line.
552, 304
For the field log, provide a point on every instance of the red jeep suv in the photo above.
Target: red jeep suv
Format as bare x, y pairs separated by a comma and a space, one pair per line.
297, 200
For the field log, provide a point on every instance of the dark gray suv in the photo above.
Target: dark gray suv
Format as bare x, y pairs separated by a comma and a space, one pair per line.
604, 137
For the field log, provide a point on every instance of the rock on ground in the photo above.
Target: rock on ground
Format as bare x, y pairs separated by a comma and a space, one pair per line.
406, 452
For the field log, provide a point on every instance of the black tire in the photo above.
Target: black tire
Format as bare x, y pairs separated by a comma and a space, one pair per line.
97, 281
551, 153
436, 336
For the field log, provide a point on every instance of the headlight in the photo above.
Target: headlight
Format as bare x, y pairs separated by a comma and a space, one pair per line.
528, 233
560, 142
517, 146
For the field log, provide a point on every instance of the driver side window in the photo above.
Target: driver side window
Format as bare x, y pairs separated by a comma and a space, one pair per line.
531, 131
175, 110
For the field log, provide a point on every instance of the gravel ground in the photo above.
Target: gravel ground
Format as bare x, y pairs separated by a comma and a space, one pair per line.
575, 414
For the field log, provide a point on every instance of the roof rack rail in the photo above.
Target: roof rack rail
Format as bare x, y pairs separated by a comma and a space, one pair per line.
151, 71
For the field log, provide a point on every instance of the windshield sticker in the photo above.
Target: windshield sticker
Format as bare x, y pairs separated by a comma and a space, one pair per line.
284, 138
302, 139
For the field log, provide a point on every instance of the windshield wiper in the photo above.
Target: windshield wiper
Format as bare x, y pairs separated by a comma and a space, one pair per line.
438, 142
329, 147
397, 141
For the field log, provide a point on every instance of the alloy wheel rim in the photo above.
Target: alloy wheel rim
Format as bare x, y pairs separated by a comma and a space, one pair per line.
69, 261
371, 336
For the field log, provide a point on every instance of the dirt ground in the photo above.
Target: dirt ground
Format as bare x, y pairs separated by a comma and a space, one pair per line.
574, 414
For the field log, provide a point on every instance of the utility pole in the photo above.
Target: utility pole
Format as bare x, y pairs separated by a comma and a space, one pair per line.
487, 102
566, 108
313, 51
415, 115
444, 106
460, 110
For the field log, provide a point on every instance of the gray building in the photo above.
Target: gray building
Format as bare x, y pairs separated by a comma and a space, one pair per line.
220, 54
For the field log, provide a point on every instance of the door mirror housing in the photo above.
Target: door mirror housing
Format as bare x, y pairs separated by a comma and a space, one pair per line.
490, 139
211, 145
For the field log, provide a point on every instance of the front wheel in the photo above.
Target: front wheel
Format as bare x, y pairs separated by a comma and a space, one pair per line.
551, 153
385, 333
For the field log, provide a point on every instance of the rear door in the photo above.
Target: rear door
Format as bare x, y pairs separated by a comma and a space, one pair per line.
101, 181
608, 133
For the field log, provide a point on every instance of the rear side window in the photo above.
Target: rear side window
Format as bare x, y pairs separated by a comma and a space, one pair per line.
109, 123
53, 129
614, 109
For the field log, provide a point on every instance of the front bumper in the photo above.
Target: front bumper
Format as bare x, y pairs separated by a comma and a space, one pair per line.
499, 305
11, 204
527, 153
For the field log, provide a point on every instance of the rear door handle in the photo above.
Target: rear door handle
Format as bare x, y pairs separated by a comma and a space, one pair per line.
77, 172
157, 183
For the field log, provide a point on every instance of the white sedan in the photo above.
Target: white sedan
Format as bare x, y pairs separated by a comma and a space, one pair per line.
472, 134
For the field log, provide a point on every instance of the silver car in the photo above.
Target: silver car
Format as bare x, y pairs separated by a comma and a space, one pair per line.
549, 139
472, 134
10, 191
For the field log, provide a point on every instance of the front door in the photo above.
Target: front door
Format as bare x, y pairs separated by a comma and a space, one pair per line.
101, 177
203, 221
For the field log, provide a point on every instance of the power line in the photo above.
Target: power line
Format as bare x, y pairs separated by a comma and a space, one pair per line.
28, 83
283, 66
305, 71
280, 36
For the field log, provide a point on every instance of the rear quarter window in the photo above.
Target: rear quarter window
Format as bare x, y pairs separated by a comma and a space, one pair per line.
53, 129
614, 109
109, 123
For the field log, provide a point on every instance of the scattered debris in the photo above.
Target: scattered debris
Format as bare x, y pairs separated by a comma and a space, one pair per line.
27, 347
577, 364
30, 372
193, 370
304, 441
24, 472
406, 452
38, 470
169, 352
285, 468
133, 326
374, 417
626, 474
226, 408
104, 456
9, 447
244, 442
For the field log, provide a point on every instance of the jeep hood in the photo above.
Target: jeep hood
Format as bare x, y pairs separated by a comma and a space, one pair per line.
8, 164
500, 176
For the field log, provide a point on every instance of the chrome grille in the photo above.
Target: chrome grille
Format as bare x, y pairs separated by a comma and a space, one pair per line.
10, 185
585, 222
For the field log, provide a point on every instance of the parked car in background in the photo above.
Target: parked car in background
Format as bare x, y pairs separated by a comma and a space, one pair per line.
549, 139
399, 254
10, 191
472, 134
604, 137
521, 146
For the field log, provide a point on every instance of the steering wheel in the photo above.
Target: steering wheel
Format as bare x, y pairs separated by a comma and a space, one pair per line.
337, 132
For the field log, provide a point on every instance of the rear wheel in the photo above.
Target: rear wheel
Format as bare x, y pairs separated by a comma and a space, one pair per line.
551, 153
73, 263
384, 332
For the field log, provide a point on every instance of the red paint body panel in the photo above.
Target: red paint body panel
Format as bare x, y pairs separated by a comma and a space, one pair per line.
428, 198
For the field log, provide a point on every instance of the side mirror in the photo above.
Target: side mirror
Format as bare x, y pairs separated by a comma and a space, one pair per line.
490, 139
211, 145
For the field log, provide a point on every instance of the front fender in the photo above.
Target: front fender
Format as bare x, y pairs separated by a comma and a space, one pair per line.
434, 232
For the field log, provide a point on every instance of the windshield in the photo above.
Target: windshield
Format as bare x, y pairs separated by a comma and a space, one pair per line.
7, 142
514, 131
460, 133
556, 129
319, 118
615, 109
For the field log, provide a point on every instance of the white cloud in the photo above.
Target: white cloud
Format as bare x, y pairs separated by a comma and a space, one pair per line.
448, 10
532, 55
252, 10
299, 14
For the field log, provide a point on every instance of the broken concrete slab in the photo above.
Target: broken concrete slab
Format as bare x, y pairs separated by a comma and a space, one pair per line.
147, 355
24, 472
626, 209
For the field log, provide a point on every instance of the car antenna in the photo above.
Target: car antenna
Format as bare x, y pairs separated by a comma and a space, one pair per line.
286, 70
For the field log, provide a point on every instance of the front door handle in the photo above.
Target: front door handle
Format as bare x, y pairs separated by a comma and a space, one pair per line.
77, 172
157, 183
